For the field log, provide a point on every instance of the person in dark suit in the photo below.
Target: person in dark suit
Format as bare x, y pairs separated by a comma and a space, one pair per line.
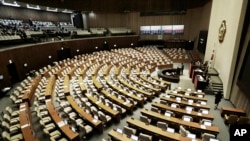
182, 68
217, 100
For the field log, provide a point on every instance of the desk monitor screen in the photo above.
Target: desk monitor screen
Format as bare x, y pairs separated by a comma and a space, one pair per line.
207, 123
188, 89
186, 119
189, 108
178, 99
175, 92
204, 111
96, 117
173, 105
187, 94
190, 101
171, 130
199, 91
200, 96
134, 137
119, 130
191, 136
203, 103
167, 114
211, 139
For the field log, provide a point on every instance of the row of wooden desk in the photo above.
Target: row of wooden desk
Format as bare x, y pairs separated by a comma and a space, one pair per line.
26, 122
184, 103
196, 115
28, 95
177, 121
73, 136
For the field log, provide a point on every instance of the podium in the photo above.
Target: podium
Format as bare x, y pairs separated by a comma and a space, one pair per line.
200, 82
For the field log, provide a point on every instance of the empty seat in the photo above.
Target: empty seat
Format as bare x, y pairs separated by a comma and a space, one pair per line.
230, 119
145, 119
207, 137
183, 131
154, 109
242, 120
162, 125
144, 137
16, 137
128, 131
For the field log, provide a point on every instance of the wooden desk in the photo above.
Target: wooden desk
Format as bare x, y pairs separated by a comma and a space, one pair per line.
71, 73
28, 95
155, 131
173, 120
235, 111
50, 87
66, 85
97, 83
183, 103
143, 85
163, 87
195, 115
73, 136
106, 71
147, 94
118, 136
124, 104
25, 122
82, 86
162, 81
195, 98
118, 70
114, 114
88, 117
193, 93
125, 93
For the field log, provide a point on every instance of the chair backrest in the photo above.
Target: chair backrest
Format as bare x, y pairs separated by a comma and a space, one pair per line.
232, 119
169, 113
128, 131
242, 120
144, 137
144, 119
207, 136
182, 131
162, 125
154, 109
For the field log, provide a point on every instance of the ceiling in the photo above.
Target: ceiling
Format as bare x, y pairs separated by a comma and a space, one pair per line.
120, 5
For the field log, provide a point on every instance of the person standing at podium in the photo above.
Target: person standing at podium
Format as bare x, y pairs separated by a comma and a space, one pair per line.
218, 98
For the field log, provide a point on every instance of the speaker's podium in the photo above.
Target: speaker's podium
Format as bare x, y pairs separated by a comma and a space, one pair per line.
200, 82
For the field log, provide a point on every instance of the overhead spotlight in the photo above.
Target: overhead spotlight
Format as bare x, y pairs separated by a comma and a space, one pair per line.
77, 50
49, 56
62, 48
33, 7
132, 44
10, 62
114, 45
51, 9
25, 65
14, 4
96, 47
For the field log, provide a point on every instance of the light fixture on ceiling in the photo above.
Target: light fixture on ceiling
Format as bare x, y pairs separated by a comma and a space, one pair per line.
15, 4
67, 11
51, 9
33, 7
